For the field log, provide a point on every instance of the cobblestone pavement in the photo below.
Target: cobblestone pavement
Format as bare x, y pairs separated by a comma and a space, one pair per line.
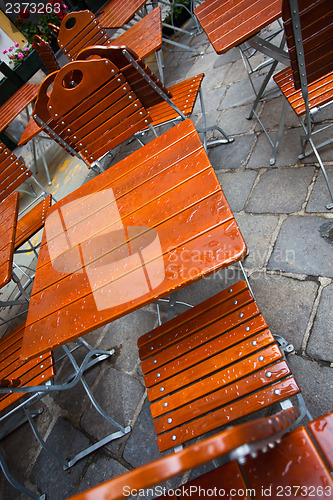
289, 234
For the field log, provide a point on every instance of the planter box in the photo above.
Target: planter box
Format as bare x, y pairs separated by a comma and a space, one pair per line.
28, 67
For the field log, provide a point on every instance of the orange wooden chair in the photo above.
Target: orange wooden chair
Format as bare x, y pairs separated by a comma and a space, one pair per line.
90, 109
308, 84
82, 29
212, 365
162, 104
262, 463
13, 173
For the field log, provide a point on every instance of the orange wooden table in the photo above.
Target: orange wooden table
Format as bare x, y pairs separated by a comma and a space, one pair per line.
116, 13
17, 103
229, 23
8, 221
152, 223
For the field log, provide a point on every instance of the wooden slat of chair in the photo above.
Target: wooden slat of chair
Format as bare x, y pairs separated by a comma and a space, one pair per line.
116, 13
90, 125
215, 364
12, 172
44, 51
17, 372
6, 242
255, 434
320, 91
317, 33
32, 222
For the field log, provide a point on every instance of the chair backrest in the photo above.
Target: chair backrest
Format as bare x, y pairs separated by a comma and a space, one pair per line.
149, 93
12, 172
232, 443
78, 30
310, 22
45, 52
90, 108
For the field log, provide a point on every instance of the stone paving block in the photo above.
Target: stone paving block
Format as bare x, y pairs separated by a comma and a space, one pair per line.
288, 151
232, 155
234, 120
320, 195
315, 382
212, 99
300, 247
236, 73
118, 395
242, 93
237, 186
257, 231
178, 73
295, 301
204, 63
271, 113
48, 474
229, 57
280, 190
19, 464
141, 447
99, 471
123, 335
214, 79
320, 345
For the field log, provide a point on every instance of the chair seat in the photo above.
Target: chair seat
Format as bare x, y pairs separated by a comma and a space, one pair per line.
212, 365
145, 37
15, 372
184, 95
32, 222
320, 91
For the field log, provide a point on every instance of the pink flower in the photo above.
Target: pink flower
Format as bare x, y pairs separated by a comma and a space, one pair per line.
26, 49
16, 44
5, 51
10, 49
20, 55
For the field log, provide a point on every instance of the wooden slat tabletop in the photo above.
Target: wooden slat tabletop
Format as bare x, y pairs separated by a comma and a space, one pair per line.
228, 23
16, 104
116, 13
153, 223
8, 222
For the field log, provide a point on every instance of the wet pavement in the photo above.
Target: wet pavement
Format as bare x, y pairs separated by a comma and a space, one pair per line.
281, 212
